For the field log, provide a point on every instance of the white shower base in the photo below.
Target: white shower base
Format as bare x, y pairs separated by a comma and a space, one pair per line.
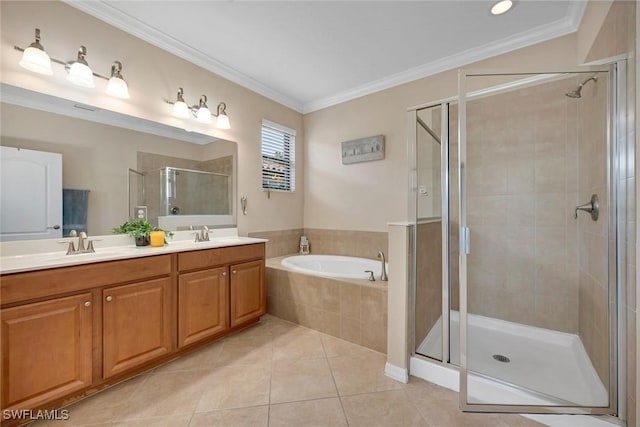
553, 365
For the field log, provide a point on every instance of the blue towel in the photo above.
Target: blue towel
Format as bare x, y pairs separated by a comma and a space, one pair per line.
75, 204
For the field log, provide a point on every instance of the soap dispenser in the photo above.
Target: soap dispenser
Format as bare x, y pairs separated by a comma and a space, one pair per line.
304, 245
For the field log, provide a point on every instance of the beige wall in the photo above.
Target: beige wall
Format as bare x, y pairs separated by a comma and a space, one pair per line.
153, 74
366, 196
592, 20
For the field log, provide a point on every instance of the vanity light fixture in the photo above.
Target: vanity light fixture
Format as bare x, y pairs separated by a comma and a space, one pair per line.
203, 115
180, 108
501, 7
117, 86
35, 59
79, 72
222, 120
201, 111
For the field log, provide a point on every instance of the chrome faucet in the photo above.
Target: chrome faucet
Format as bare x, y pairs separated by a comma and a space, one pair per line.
203, 235
383, 274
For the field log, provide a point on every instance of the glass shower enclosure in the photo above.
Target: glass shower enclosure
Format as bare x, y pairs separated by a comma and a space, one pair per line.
515, 280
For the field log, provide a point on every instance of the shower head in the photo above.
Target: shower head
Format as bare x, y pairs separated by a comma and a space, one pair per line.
577, 92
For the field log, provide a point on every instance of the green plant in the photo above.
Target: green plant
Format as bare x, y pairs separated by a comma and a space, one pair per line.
138, 228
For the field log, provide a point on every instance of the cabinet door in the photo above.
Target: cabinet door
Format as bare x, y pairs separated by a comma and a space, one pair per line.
136, 324
248, 300
46, 350
203, 305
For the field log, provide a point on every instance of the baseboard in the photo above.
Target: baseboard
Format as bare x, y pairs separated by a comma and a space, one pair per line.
396, 373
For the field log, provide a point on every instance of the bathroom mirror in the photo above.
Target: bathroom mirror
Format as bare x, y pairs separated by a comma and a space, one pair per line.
115, 169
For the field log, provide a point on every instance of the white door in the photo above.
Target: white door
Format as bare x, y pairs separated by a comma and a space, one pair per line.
30, 194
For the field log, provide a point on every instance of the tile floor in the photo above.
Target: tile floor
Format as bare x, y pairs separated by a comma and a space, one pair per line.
275, 374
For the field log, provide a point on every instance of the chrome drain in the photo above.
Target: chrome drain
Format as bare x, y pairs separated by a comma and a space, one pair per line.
501, 358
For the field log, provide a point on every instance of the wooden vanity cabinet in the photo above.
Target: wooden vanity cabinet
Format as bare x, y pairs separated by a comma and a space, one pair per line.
248, 299
136, 324
46, 350
203, 307
68, 332
219, 289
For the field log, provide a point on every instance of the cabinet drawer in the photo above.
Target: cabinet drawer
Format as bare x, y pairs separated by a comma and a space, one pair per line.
207, 258
37, 284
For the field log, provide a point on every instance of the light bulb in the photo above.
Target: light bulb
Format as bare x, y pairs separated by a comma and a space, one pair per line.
181, 109
35, 59
80, 75
223, 122
501, 7
203, 115
118, 87
79, 72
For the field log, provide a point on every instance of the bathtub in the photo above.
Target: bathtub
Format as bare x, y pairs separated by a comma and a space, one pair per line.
344, 267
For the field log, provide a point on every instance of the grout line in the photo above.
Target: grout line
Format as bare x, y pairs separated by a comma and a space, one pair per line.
344, 413
192, 415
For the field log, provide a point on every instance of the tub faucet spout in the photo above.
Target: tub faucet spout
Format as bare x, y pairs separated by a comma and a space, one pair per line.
383, 274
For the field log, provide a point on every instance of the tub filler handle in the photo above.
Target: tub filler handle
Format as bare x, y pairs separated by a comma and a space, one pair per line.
371, 278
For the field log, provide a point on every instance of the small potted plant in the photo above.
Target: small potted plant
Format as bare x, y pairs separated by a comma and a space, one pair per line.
140, 230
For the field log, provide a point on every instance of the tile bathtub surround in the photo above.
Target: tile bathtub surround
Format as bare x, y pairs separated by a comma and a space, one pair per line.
281, 242
330, 383
353, 310
364, 244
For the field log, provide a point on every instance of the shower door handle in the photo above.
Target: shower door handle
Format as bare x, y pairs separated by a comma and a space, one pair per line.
592, 207
465, 237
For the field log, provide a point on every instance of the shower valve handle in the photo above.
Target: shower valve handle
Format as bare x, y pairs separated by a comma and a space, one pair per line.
592, 207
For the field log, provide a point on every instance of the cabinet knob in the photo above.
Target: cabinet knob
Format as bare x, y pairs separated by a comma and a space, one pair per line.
109, 298
234, 272
224, 273
87, 303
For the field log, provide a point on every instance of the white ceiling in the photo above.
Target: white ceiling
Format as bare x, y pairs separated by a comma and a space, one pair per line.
312, 54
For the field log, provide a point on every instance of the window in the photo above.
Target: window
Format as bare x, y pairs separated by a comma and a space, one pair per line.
278, 157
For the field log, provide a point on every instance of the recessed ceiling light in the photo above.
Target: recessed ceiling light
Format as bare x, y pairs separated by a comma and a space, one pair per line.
501, 7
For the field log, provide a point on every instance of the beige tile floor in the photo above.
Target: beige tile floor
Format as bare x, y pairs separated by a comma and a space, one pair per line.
276, 374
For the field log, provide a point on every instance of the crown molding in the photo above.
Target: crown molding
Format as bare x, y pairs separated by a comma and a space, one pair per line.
141, 30
137, 28
542, 33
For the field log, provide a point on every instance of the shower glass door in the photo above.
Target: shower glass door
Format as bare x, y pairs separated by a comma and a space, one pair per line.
431, 212
537, 287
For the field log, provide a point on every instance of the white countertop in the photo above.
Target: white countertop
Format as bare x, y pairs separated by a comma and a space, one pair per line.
42, 254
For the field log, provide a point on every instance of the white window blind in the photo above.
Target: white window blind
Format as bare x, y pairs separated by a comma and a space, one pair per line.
278, 157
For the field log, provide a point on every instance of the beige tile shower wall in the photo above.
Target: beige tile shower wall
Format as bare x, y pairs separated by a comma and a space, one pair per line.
522, 187
355, 312
149, 163
281, 242
593, 236
428, 278
365, 244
